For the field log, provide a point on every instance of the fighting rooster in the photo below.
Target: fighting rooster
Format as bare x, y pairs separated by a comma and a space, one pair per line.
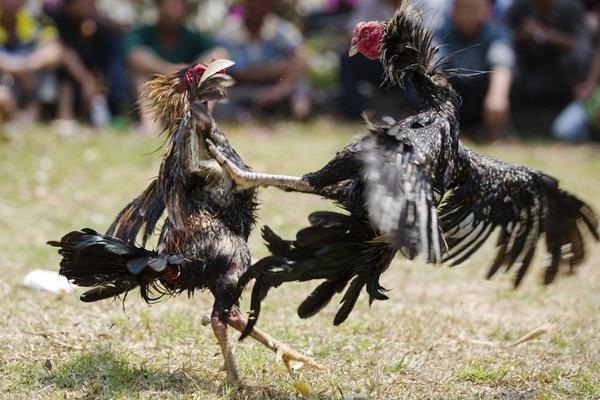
411, 186
203, 240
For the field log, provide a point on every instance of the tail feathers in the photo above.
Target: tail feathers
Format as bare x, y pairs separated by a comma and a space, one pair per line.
336, 248
320, 297
349, 300
142, 213
109, 265
275, 244
106, 292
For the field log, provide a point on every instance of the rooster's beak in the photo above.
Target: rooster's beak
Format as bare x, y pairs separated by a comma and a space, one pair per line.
353, 50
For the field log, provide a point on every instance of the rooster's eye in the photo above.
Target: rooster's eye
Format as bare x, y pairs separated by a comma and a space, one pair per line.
365, 33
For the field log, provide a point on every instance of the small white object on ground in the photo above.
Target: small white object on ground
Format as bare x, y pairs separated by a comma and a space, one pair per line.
47, 280
539, 331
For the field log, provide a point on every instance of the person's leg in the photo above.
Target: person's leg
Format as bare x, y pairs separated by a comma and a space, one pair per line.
300, 101
7, 103
572, 124
66, 99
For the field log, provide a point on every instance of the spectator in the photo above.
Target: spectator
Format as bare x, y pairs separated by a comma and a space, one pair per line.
27, 48
97, 46
580, 120
270, 63
552, 47
432, 11
473, 43
164, 46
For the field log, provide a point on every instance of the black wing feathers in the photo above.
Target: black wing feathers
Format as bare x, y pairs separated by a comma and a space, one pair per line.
337, 248
400, 166
523, 204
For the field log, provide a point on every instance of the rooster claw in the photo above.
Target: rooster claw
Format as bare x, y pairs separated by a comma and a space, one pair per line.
234, 172
293, 360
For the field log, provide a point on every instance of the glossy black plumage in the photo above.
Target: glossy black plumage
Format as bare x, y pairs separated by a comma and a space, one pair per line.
413, 187
202, 241
524, 204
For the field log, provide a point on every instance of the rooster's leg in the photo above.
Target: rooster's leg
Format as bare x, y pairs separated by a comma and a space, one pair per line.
238, 321
247, 179
220, 330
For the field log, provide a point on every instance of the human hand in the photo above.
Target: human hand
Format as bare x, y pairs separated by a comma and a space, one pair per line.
584, 89
534, 30
269, 95
11, 64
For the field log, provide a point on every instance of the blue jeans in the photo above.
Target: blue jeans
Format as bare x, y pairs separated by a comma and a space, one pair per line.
572, 124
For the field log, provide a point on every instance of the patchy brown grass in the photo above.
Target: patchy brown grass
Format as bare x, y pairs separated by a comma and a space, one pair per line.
443, 334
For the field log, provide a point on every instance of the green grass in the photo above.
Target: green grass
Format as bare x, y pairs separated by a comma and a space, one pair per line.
443, 334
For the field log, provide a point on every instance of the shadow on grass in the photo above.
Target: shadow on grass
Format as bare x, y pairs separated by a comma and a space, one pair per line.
104, 373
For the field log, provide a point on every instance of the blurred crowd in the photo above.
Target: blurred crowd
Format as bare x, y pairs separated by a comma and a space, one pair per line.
521, 66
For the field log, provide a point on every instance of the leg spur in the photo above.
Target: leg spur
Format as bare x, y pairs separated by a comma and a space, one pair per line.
248, 179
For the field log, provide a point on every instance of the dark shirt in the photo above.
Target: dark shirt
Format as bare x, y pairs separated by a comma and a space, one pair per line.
491, 48
566, 16
189, 47
95, 48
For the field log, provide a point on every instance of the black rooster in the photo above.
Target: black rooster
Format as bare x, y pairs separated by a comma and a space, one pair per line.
203, 240
411, 186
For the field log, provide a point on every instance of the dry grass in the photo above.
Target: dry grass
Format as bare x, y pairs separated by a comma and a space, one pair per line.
443, 334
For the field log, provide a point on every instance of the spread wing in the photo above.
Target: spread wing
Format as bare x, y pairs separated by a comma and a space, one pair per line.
400, 164
524, 204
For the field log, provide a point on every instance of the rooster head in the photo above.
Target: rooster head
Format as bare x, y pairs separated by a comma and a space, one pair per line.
366, 39
169, 96
196, 77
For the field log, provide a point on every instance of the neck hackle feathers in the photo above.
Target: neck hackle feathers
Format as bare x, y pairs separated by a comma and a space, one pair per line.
170, 96
407, 48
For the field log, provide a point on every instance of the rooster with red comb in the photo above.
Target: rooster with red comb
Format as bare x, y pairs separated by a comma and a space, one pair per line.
412, 187
202, 243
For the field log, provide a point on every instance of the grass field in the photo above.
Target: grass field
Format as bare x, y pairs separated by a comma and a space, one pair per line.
443, 334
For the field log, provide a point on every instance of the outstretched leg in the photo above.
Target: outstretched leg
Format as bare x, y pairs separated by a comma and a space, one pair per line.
220, 330
248, 179
239, 321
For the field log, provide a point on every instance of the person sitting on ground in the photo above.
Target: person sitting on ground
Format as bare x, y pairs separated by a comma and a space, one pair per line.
29, 53
98, 46
270, 62
553, 46
27, 47
164, 46
475, 46
580, 120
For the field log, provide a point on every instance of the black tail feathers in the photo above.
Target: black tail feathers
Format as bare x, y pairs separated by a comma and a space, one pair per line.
141, 214
337, 248
110, 266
